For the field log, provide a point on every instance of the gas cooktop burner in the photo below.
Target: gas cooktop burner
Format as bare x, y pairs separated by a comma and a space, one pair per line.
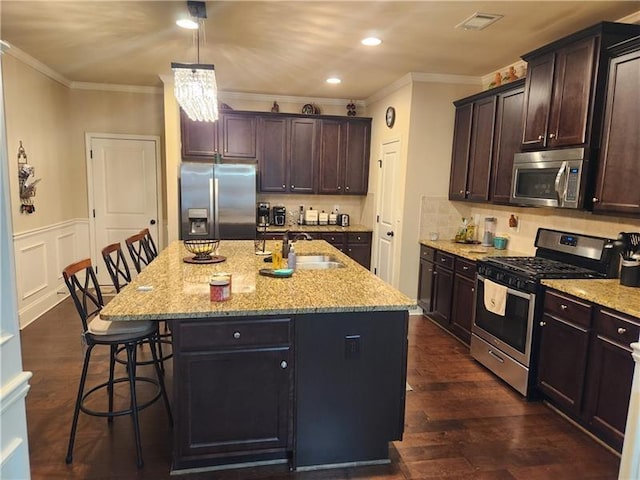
538, 267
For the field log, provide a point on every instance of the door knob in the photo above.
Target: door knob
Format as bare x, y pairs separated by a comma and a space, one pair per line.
390, 234
152, 222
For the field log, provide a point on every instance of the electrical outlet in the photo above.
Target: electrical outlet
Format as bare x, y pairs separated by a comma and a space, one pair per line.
336, 208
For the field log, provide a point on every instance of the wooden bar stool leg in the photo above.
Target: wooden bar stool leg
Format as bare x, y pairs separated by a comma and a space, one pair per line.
76, 411
131, 364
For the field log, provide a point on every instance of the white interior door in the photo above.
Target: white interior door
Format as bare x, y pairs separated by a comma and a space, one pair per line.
123, 191
385, 235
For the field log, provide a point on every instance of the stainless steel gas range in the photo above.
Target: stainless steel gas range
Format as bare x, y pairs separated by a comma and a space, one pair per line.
505, 339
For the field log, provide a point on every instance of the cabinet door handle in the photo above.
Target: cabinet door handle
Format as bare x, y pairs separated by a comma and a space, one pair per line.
293, 187
461, 192
236, 335
563, 307
552, 135
443, 259
542, 324
283, 364
284, 186
339, 187
346, 188
622, 331
540, 137
467, 192
473, 289
465, 268
595, 199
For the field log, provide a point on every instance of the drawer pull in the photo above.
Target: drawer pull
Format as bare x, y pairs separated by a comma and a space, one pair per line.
563, 307
542, 324
443, 260
465, 268
283, 364
496, 356
236, 335
622, 331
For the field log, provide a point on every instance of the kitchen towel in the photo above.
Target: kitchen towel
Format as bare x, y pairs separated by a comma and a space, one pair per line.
495, 297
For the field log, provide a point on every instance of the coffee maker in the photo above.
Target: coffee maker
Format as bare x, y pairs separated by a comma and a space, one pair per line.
262, 214
279, 215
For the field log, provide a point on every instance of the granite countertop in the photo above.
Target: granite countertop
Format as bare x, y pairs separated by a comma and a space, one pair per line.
607, 292
470, 251
316, 228
181, 290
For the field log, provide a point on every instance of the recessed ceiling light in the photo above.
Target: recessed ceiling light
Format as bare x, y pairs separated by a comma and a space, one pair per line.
333, 80
187, 23
371, 41
478, 21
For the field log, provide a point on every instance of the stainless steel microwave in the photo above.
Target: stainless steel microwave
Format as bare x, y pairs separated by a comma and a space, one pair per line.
552, 178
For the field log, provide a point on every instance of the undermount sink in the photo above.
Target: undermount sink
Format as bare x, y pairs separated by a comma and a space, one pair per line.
317, 262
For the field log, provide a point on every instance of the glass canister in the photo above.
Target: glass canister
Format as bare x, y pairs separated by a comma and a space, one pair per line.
489, 231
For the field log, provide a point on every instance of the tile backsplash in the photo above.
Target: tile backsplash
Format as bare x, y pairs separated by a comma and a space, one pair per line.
443, 216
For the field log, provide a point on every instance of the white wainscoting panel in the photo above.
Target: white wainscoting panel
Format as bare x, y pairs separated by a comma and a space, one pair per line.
41, 254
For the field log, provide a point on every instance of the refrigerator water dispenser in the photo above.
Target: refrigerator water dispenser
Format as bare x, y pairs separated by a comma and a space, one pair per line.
198, 221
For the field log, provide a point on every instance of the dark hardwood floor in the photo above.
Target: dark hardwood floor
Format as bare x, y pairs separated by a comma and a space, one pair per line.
461, 422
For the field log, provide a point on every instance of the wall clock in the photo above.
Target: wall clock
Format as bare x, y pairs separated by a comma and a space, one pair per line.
390, 116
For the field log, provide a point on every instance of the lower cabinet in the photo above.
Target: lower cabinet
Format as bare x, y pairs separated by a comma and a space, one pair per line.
426, 278
464, 283
235, 383
442, 288
585, 366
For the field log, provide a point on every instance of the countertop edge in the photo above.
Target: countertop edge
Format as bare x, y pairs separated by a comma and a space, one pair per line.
470, 251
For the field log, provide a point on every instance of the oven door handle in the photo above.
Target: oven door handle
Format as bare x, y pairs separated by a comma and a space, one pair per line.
560, 185
510, 291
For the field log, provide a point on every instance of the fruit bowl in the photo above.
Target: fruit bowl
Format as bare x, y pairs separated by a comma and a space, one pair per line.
201, 248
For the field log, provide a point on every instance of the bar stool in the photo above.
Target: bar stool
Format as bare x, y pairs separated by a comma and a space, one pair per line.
152, 245
139, 250
120, 274
88, 301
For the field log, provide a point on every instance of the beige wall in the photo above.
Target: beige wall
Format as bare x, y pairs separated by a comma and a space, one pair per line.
37, 113
51, 120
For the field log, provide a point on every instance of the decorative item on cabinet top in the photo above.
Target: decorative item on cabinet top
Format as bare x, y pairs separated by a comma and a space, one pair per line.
26, 173
311, 109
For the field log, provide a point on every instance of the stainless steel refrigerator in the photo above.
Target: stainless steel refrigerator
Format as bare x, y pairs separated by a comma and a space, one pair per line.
217, 201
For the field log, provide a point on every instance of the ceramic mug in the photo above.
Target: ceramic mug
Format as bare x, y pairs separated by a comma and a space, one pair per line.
500, 243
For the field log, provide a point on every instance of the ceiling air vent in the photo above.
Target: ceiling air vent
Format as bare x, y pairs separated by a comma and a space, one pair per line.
478, 21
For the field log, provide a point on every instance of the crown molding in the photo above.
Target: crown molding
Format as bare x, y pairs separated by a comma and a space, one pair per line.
37, 65
113, 87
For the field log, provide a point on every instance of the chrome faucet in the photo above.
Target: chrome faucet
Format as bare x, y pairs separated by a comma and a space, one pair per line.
301, 235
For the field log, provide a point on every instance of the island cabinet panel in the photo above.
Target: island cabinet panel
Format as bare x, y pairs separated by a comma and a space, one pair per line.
273, 171
303, 155
350, 386
506, 143
199, 139
610, 375
238, 135
618, 169
233, 390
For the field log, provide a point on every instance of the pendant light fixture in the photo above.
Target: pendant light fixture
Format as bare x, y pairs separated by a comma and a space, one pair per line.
195, 83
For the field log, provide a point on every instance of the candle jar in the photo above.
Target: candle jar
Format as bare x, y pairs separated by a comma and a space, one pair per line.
220, 288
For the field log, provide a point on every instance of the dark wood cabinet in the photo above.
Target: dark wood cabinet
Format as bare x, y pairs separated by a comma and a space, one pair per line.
199, 139
558, 95
238, 135
610, 375
464, 280
235, 383
426, 278
585, 367
564, 344
303, 155
359, 248
480, 150
273, 173
616, 188
344, 156
336, 239
565, 85
506, 142
442, 288
460, 155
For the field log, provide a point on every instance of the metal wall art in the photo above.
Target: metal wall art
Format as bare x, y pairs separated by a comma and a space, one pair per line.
27, 181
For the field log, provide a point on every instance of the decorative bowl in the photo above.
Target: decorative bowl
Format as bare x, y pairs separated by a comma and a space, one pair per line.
202, 248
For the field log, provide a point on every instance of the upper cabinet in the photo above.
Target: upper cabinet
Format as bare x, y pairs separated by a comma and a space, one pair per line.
616, 188
238, 135
344, 156
487, 133
273, 173
199, 139
564, 88
303, 155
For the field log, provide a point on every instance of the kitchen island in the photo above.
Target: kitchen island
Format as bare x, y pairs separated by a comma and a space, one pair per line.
308, 370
